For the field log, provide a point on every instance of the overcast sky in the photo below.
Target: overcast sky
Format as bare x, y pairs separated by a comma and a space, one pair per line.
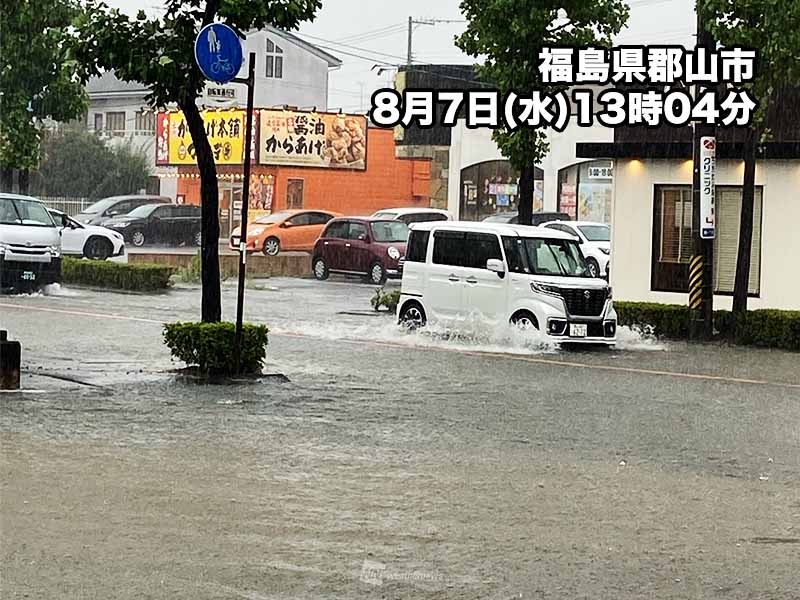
363, 33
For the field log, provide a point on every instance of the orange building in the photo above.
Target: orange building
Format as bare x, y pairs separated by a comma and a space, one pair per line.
387, 181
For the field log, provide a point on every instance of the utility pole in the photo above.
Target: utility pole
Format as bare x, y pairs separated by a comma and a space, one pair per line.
701, 265
412, 21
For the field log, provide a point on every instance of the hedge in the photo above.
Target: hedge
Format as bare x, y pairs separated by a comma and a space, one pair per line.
767, 328
387, 300
138, 277
209, 346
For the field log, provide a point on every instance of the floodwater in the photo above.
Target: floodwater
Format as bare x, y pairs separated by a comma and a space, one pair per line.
392, 465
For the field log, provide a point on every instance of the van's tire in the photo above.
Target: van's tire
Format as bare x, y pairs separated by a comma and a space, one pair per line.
138, 238
412, 315
272, 246
97, 248
377, 274
592, 267
524, 319
320, 269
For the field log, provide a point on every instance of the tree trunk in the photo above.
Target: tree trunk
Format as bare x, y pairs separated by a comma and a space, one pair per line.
7, 179
24, 181
525, 201
211, 310
742, 281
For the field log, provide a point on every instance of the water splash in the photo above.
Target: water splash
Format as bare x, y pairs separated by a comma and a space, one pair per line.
56, 289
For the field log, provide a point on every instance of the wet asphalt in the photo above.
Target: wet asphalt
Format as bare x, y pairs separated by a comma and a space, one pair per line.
391, 465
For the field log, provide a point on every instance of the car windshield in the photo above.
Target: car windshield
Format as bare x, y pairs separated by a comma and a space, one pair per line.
390, 231
143, 211
16, 211
554, 257
99, 206
596, 233
273, 218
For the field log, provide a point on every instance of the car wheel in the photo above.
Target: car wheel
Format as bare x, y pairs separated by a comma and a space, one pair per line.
98, 248
524, 320
320, 269
412, 316
272, 246
377, 274
137, 238
592, 268
198, 238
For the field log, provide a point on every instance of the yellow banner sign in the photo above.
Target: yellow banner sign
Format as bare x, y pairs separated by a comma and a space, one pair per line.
306, 139
225, 130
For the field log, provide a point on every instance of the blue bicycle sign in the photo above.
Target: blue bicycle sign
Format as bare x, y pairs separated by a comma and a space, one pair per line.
218, 52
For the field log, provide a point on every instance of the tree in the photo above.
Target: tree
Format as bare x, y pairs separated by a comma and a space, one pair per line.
771, 27
115, 171
159, 52
37, 80
509, 33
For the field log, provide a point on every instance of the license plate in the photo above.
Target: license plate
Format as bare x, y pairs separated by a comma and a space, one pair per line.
577, 330
28, 276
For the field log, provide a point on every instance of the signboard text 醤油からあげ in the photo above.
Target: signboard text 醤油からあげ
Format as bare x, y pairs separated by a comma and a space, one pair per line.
307, 139
225, 130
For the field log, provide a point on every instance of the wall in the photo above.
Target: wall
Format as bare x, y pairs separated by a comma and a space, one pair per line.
388, 181
471, 146
142, 141
632, 219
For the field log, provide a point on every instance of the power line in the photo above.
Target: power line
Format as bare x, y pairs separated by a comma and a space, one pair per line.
370, 33
319, 39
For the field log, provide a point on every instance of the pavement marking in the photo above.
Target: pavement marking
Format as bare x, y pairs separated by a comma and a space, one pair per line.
517, 357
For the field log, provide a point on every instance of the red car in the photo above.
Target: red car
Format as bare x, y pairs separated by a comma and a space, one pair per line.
367, 246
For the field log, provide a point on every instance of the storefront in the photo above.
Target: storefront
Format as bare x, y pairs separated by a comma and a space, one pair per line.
585, 190
300, 160
492, 187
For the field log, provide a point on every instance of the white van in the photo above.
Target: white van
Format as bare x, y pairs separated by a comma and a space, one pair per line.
528, 276
30, 244
413, 215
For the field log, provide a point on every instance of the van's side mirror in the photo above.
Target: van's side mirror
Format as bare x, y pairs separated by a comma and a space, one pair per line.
64, 221
496, 265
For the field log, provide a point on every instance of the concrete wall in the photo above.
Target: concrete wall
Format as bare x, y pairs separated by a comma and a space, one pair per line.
632, 221
472, 146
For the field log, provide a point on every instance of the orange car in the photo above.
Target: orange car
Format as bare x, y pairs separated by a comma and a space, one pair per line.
283, 230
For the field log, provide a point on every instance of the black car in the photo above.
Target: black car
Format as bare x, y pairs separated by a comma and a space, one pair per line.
114, 206
538, 218
172, 224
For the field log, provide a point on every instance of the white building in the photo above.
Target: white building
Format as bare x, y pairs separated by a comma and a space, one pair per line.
289, 71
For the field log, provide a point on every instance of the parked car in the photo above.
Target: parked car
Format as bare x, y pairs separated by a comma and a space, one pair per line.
172, 224
512, 218
360, 246
88, 241
529, 276
414, 215
595, 241
30, 246
283, 230
114, 206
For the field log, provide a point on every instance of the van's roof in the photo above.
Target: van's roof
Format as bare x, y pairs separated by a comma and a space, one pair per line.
499, 228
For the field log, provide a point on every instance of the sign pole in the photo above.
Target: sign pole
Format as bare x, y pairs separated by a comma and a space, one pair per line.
701, 265
248, 140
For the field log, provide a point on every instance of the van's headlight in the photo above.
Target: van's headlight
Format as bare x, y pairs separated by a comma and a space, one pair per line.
55, 251
541, 288
605, 250
394, 253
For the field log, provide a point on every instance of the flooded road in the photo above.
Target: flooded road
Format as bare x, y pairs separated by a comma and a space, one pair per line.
391, 465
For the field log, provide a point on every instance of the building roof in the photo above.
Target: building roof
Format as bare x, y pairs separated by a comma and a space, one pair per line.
108, 84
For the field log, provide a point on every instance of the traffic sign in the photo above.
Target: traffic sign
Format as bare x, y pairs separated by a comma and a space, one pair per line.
708, 169
218, 52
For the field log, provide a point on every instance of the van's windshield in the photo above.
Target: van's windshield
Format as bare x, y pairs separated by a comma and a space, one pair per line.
554, 257
17, 211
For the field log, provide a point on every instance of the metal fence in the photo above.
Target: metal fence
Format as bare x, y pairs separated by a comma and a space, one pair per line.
71, 206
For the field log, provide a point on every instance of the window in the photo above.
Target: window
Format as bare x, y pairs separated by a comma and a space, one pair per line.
274, 68
98, 121
389, 231
515, 255
449, 247
145, 122
562, 228
115, 122
317, 218
480, 248
673, 239
422, 217
357, 230
337, 229
301, 219
163, 212
418, 246
294, 193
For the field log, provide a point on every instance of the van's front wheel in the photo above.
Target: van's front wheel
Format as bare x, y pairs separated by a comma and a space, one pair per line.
524, 319
412, 316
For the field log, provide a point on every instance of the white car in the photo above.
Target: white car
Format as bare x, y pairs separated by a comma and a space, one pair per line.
532, 277
414, 215
90, 241
595, 241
